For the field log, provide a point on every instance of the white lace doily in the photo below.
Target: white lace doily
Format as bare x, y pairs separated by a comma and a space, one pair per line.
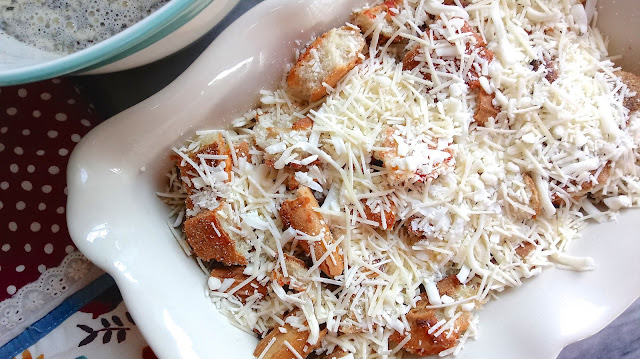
36, 299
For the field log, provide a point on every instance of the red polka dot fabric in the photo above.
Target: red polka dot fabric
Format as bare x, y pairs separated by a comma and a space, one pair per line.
40, 125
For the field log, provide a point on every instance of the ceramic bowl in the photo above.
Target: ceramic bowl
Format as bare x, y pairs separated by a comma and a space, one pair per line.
162, 33
117, 221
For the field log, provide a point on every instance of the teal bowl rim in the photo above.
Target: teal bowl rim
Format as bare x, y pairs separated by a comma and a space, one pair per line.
144, 33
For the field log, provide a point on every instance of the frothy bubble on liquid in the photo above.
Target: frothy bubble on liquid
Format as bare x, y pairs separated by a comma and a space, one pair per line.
71, 25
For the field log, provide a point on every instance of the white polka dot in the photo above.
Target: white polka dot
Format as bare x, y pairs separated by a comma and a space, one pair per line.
20, 268
65, 191
56, 81
52, 134
61, 116
26, 185
1, 147
48, 248
6, 247
27, 247
11, 289
85, 122
35, 227
42, 268
4, 129
31, 168
13, 168
1, 205
60, 210
63, 152
26, 132
75, 137
12, 111
18, 151
71, 101
69, 249
21, 205
40, 152
4, 185
13, 226
55, 228
45, 96
42, 206
54, 170
46, 188
22, 93
36, 114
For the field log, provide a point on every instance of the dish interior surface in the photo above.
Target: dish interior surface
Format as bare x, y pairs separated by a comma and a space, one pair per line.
117, 221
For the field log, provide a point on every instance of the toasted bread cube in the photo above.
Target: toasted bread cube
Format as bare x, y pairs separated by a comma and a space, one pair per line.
464, 3
633, 83
368, 18
410, 61
242, 149
283, 129
337, 353
430, 164
389, 213
524, 249
534, 201
207, 236
326, 60
304, 123
484, 108
586, 187
299, 213
296, 270
421, 319
213, 145
237, 274
276, 348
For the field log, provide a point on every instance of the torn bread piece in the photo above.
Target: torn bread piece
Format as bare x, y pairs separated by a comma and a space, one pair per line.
236, 273
425, 340
207, 235
300, 214
296, 277
325, 61
286, 342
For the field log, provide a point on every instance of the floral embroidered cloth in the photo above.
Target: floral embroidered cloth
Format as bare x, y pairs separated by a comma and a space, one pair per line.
100, 329
44, 280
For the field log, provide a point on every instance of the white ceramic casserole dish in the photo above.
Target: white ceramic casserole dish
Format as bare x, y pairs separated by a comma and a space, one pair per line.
117, 221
